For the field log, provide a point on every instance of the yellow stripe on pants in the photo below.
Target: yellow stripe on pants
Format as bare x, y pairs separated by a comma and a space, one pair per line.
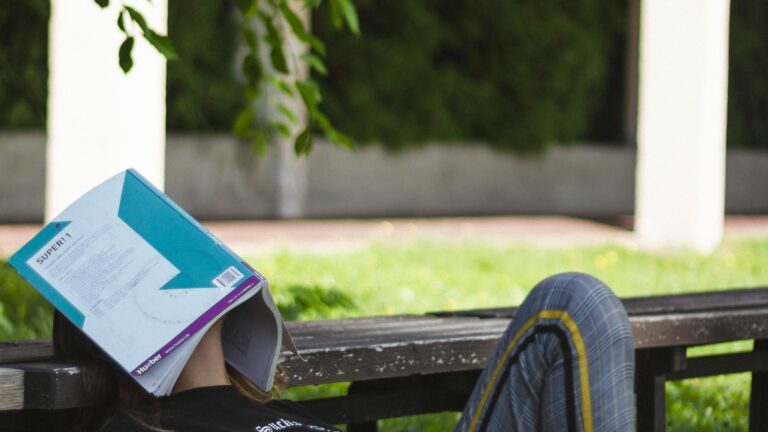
581, 352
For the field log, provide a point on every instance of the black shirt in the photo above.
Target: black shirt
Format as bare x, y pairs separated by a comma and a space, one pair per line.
222, 408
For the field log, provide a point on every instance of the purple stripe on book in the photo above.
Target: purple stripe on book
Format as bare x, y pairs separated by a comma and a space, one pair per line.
197, 324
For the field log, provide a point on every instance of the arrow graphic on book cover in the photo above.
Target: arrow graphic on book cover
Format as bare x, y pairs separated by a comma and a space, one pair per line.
173, 234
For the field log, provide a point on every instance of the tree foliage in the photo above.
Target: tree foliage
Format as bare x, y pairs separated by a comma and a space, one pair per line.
748, 74
409, 79
202, 93
277, 22
23, 63
24, 313
518, 74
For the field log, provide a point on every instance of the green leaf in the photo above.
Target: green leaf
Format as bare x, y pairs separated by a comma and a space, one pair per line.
315, 63
249, 36
252, 69
253, 92
282, 86
273, 36
341, 139
278, 59
259, 143
124, 54
336, 17
248, 8
243, 122
161, 43
102, 3
275, 41
303, 143
294, 22
333, 134
310, 94
317, 44
288, 113
243, 5
323, 122
350, 15
121, 22
343, 11
282, 129
137, 17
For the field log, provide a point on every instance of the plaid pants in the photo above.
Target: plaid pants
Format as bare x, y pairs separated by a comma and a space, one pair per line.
566, 363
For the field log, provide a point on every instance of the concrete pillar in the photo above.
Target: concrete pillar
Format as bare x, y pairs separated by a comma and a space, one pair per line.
101, 120
681, 123
292, 171
292, 174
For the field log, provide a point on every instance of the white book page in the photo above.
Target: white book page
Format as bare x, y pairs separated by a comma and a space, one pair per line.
161, 378
252, 338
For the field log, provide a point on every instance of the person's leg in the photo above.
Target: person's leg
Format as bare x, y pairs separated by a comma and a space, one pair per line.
566, 363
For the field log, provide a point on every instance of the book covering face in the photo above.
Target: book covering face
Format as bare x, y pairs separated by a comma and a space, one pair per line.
144, 280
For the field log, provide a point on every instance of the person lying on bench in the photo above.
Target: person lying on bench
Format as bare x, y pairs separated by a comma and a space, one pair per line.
565, 363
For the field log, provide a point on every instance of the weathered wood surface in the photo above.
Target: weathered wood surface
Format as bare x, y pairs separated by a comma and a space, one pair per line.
711, 301
24, 351
11, 389
49, 385
360, 349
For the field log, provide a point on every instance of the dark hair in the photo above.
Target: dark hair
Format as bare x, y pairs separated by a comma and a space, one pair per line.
108, 389
111, 391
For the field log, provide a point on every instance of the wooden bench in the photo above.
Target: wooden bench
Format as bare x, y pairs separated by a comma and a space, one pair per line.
407, 365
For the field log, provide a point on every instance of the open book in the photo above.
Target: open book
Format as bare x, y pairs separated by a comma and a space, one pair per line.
144, 280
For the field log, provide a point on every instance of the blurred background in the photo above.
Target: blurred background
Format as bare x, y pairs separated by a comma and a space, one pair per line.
467, 108
496, 143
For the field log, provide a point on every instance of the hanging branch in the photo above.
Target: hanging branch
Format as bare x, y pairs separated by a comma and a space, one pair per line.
274, 16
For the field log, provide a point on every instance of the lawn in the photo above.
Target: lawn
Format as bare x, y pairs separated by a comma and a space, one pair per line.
429, 276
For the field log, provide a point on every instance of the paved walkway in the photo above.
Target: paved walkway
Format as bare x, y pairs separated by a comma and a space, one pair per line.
255, 237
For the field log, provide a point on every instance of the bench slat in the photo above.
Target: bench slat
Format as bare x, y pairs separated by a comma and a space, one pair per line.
650, 331
11, 389
354, 359
457, 328
23, 351
318, 333
358, 349
382, 320
699, 328
742, 298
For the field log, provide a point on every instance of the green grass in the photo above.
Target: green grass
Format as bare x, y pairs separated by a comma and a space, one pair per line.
429, 276
420, 277
24, 314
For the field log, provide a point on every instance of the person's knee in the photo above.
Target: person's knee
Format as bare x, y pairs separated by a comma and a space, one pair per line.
578, 285
583, 294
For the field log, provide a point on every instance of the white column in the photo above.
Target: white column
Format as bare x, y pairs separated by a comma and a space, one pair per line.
101, 120
292, 171
681, 123
292, 181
